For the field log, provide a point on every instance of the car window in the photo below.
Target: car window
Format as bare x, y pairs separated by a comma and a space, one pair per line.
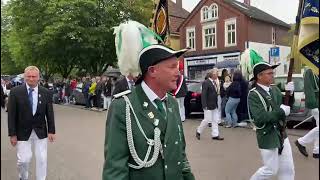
194, 87
281, 81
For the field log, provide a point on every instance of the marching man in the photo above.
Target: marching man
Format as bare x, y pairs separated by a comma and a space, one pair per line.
144, 133
268, 114
180, 93
311, 89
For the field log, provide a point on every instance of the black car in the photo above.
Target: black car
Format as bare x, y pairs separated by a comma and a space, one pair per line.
192, 101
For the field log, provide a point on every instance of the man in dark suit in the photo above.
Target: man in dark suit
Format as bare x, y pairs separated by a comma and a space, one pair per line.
209, 100
123, 84
31, 121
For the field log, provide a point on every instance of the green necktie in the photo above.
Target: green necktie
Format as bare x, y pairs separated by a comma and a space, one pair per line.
160, 106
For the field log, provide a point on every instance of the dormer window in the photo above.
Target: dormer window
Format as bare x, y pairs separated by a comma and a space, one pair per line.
205, 13
209, 13
214, 10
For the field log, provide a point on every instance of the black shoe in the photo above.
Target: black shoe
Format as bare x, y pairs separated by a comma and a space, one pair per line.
301, 148
218, 138
197, 135
221, 124
316, 156
209, 124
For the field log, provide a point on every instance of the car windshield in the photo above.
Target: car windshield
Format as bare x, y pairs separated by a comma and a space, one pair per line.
281, 81
194, 87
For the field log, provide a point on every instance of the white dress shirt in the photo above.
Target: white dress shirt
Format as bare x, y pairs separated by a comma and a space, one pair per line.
34, 97
151, 95
266, 88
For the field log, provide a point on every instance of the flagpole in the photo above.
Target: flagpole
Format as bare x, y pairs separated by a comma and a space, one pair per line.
294, 49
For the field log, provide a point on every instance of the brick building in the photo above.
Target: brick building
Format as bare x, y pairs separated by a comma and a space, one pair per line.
218, 31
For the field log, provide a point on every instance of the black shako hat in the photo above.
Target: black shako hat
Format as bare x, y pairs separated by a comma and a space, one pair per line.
154, 54
261, 66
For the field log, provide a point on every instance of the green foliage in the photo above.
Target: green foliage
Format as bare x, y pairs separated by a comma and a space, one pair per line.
61, 36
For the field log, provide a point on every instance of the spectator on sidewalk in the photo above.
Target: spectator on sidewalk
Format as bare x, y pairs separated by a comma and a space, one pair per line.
67, 90
85, 90
233, 93
92, 93
106, 92
98, 92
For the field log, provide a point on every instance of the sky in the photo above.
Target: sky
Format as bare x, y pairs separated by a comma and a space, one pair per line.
273, 7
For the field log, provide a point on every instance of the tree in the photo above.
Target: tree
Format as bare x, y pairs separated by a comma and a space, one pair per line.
59, 36
8, 66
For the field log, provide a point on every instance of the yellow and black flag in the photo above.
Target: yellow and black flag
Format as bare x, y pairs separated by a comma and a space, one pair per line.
308, 40
161, 20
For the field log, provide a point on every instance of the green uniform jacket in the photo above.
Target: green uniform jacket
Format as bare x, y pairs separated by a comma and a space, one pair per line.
174, 165
269, 136
311, 89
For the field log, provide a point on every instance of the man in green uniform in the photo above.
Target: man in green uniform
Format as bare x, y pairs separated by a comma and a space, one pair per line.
311, 90
144, 134
268, 114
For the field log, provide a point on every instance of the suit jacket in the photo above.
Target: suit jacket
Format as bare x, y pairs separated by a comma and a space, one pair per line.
269, 136
120, 86
183, 89
209, 96
21, 121
174, 165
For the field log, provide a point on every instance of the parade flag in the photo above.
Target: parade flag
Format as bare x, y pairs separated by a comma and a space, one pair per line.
308, 39
161, 19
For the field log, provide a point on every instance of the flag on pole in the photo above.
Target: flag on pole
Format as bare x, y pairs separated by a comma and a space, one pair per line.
308, 40
161, 20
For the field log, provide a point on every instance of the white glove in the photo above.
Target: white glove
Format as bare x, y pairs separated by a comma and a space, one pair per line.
286, 109
289, 87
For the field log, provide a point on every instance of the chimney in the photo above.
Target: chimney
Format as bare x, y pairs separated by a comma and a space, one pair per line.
179, 3
247, 2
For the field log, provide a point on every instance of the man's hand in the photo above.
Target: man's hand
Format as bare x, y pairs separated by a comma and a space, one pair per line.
286, 109
289, 87
51, 137
13, 140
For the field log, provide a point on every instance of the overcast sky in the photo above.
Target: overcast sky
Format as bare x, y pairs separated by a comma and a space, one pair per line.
285, 10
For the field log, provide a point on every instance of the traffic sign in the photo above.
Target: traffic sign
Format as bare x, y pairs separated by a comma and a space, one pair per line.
275, 52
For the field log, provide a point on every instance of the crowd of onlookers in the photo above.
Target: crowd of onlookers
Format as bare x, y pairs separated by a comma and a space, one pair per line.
96, 91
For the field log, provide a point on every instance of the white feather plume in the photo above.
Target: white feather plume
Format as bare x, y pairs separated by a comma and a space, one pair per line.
245, 64
129, 38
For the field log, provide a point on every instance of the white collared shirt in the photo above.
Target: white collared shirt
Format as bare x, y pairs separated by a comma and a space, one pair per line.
266, 88
151, 95
34, 97
216, 84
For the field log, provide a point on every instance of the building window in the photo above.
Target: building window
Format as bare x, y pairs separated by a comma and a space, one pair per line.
191, 37
273, 36
214, 11
209, 13
230, 32
205, 13
209, 39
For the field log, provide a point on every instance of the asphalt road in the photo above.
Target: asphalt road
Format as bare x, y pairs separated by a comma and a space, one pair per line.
77, 153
